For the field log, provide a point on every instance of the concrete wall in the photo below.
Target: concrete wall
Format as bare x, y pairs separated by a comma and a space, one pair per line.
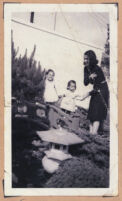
58, 53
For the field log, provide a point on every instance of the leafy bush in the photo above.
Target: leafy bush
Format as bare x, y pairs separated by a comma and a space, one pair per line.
27, 76
79, 173
89, 167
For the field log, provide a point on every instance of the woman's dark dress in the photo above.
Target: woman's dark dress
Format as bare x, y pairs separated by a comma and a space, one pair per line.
99, 101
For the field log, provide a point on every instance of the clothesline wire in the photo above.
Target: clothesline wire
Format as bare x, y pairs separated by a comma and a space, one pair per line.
55, 34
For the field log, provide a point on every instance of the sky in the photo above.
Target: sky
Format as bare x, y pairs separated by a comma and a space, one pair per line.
57, 47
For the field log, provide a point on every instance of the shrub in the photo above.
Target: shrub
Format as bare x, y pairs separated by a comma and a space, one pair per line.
27, 76
79, 173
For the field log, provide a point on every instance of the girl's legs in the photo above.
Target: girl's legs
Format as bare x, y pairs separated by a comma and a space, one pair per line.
95, 127
91, 128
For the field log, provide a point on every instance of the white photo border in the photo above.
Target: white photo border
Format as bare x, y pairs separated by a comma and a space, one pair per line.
113, 187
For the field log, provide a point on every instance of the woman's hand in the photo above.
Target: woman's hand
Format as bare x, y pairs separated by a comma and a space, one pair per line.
83, 97
75, 97
93, 75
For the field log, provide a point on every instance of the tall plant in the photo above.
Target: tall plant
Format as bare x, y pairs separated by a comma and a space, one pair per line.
27, 76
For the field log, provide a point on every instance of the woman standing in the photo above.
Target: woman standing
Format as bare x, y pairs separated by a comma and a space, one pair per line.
100, 95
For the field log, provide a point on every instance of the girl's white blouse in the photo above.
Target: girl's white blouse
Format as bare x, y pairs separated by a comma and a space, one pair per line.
68, 102
50, 94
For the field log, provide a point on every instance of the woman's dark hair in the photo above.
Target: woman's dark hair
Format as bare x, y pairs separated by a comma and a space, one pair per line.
50, 70
92, 57
71, 81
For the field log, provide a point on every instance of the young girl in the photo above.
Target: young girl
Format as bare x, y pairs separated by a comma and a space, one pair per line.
68, 104
50, 93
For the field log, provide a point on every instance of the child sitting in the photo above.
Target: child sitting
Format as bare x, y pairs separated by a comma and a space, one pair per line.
50, 93
68, 100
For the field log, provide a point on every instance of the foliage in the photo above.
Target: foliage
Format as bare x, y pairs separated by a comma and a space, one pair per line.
88, 168
27, 76
81, 174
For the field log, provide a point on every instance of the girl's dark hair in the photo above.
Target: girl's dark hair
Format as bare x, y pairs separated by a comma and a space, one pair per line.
71, 81
50, 70
92, 57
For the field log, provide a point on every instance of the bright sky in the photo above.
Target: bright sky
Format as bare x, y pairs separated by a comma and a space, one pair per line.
61, 54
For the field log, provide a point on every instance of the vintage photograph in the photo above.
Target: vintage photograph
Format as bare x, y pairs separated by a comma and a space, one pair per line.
60, 99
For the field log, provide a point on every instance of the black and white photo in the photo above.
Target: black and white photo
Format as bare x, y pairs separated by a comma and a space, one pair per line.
61, 99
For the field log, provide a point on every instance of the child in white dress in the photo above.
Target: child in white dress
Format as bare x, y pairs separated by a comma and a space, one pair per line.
68, 104
50, 93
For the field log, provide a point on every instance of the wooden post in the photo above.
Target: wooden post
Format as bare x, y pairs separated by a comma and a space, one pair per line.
32, 17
